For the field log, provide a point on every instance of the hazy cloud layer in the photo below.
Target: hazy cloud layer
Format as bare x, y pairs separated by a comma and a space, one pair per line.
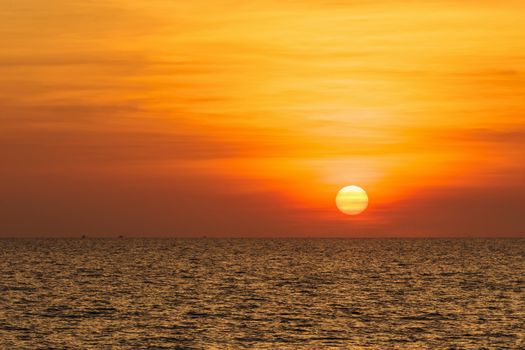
228, 118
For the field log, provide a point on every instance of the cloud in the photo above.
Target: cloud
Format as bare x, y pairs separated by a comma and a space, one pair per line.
75, 147
92, 57
172, 203
491, 210
178, 116
513, 135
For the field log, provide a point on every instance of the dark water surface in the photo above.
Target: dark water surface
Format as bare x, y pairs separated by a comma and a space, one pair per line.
262, 294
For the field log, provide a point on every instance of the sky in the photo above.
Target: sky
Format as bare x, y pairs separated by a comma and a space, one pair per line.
245, 118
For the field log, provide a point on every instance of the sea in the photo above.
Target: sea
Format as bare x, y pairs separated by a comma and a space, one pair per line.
207, 293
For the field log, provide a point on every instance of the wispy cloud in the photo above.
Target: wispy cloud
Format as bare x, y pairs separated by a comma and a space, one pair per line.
277, 101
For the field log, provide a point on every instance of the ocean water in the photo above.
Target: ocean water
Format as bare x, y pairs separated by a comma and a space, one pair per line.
262, 294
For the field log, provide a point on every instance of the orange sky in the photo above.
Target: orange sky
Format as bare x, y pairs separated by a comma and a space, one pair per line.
241, 118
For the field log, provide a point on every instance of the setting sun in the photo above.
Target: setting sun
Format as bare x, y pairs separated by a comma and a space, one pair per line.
351, 200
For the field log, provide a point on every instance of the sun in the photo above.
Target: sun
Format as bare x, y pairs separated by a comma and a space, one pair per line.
351, 200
